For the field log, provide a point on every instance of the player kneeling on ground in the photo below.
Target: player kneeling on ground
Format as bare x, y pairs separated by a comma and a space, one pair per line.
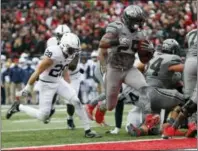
49, 72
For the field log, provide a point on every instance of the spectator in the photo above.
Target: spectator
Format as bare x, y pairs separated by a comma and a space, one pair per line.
16, 79
6, 82
28, 25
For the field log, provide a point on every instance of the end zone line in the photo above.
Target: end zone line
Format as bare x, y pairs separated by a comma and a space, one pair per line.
81, 144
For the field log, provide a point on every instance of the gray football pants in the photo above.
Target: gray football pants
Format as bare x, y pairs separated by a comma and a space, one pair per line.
190, 78
114, 79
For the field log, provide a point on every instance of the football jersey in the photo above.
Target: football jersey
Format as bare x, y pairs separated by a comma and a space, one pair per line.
119, 56
75, 74
157, 73
54, 72
191, 38
52, 41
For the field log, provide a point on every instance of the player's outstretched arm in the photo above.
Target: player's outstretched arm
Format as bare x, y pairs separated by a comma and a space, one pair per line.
45, 63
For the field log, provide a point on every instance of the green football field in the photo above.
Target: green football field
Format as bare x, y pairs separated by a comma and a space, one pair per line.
22, 130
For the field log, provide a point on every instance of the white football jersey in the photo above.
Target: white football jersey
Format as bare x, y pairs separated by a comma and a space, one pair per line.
54, 73
52, 41
75, 74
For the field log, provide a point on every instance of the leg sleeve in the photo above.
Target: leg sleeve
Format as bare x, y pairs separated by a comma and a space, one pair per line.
113, 82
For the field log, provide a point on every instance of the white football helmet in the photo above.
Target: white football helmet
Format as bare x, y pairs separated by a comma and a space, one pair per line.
3, 58
62, 29
70, 43
94, 54
35, 60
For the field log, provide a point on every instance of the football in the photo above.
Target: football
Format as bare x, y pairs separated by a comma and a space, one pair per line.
145, 51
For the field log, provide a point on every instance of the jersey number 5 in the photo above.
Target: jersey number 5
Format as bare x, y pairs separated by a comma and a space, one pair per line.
156, 66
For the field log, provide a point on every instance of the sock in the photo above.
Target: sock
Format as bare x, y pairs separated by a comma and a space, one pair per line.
70, 117
119, 113
70, 110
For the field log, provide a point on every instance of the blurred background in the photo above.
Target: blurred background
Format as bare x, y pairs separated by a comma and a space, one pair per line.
26, 25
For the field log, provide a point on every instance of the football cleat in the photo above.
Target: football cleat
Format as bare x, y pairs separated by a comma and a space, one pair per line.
114, 131
92, 134
134, 131
89, 109
70, 124
14, 108
192, 130
99, 115
51, 113
152, 120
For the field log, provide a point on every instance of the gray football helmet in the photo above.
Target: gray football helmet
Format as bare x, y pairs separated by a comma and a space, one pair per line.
171, 46
132, 16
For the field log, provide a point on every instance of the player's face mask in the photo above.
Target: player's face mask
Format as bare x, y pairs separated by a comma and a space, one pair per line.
72, 51
135, 24
59, 36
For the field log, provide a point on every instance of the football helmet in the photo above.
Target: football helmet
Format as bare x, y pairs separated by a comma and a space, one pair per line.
133, 17
35, 60
70, 44
170, 46
94, 55
60, 30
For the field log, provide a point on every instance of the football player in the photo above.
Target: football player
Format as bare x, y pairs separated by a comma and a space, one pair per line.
117, 50
49, 71
164, 69
170, 47
190, 91
69, 77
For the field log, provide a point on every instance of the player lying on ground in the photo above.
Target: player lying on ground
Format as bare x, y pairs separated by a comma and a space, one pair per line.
190, 91
49, 72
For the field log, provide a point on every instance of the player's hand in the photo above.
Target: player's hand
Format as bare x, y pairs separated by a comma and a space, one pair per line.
146, 45
24, 92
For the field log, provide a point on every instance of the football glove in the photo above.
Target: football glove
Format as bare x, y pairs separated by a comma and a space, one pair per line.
24, 92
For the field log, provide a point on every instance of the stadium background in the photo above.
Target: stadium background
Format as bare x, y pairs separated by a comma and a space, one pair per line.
26, 24
25, 27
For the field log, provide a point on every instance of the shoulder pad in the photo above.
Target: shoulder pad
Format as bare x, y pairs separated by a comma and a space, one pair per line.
114, 27
52, 41
52, 51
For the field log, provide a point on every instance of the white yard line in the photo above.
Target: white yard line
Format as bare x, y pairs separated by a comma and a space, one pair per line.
43, 129
81, 144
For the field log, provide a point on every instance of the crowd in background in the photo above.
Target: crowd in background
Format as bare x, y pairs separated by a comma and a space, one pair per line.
26, 25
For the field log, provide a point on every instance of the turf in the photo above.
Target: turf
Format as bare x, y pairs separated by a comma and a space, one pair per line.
21, 130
